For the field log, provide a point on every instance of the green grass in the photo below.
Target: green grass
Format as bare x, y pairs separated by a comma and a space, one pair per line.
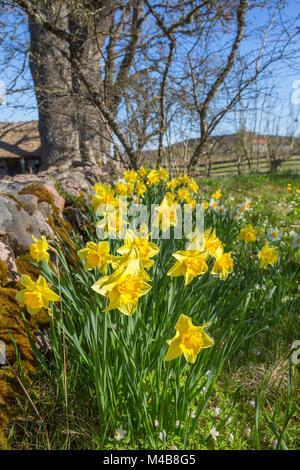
255, 320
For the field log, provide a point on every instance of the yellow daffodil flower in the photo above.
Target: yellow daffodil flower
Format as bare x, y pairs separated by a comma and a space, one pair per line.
39, 249
267, 256
223, 266
182, 194
247, 234
146, 249
153, 177
96, 256
130, 176
166, 215
123, 288
196, 241
217, 195
188, 340
142, 172
212, 243
112, 222
141, 188
163, 174
193, 186
121, 188
190, 264
36, 295
172, 184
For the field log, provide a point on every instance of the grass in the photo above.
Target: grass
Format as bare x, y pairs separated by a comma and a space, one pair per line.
254, 403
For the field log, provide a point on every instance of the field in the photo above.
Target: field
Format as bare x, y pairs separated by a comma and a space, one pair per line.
112, 380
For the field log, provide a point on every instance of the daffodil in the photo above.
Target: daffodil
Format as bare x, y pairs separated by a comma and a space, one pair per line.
112, 223
121, 188
190, 264
153, 177
223, 266
247, 234
39, 249
36, 295
124, 287
146, 249
163, 174
212, 243
166, 215
221, 210
182, 194
96, 256
130, 176
142, 172
89, 196
188, 340
193, 186
172, 184
213, 203
217, 194
196, 241
141, 188
267, 256
274, 234
296, 241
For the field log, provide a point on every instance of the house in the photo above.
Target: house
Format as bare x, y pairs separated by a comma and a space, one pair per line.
20, 148
259, 146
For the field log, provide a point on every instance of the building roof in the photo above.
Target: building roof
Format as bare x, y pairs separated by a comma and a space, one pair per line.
19, 139
259, 141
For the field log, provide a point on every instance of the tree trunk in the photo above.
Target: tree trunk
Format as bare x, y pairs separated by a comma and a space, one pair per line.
90, 34
51, 74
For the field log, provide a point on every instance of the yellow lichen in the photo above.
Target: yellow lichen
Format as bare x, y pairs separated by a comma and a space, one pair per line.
3, 273
12, 326
25, 267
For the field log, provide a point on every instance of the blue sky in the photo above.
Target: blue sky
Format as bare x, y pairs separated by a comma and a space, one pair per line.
22, 106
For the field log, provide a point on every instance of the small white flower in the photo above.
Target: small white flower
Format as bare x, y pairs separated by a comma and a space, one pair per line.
213, 204
177, 424
221, 210
214, 433
296, 241
162, 435
231, 437
207, 372
252, 403
114, 326
274, 234
120, 433
156, 423
228, 421
217, 411
193, 414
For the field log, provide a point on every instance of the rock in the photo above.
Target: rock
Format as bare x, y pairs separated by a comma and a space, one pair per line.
45, 209
19, 226
29, 201
8, 257
59, 200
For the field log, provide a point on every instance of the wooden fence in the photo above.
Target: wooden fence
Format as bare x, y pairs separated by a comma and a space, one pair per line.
231, 167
